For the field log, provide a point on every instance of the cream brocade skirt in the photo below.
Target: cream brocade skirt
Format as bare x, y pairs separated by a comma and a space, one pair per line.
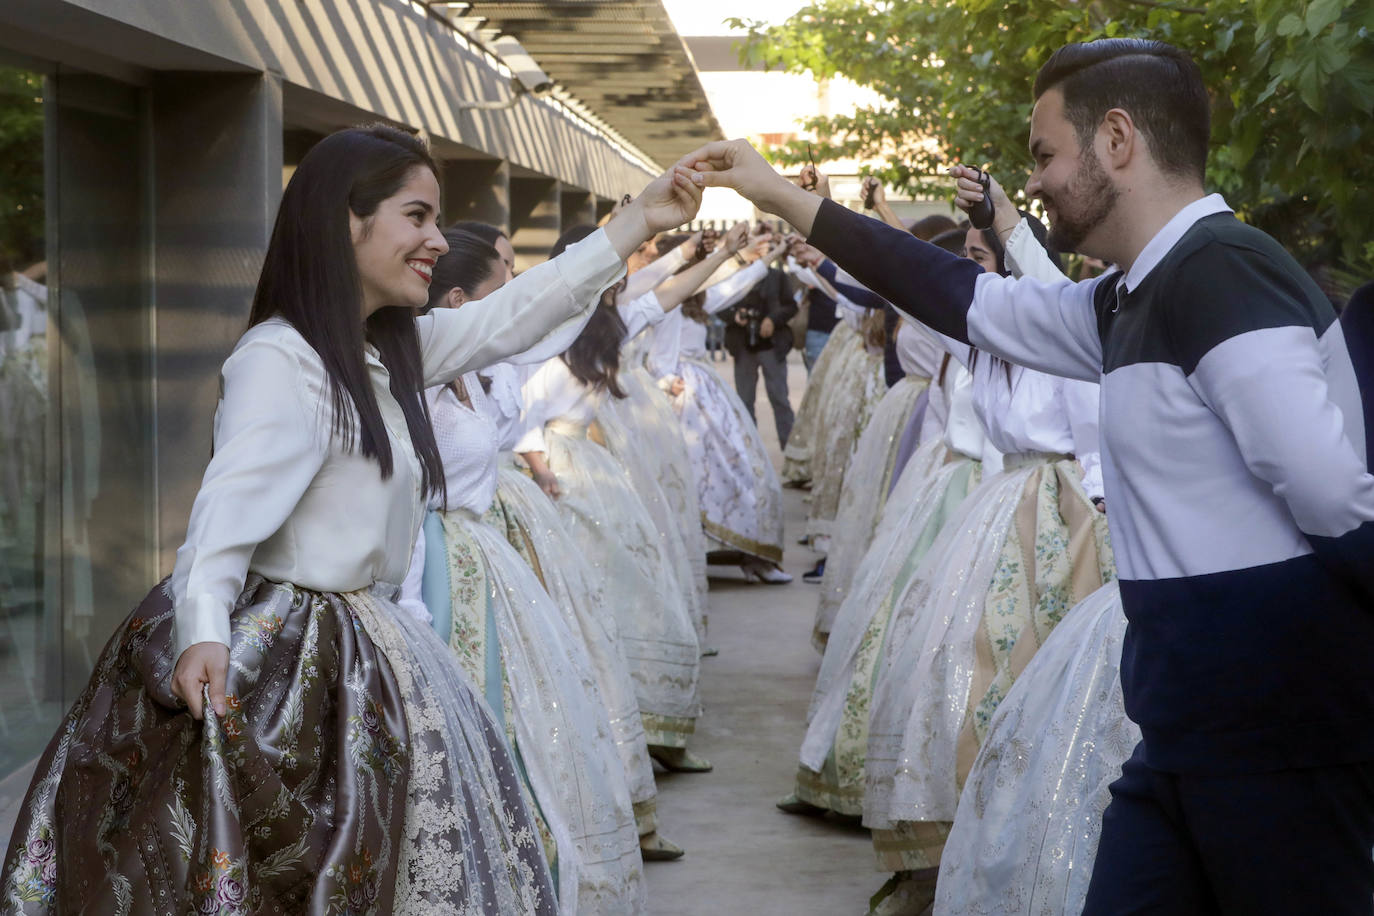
536, 532
1024, 548
514, 643
803, 441
1030, 816
613, 530
643, 433
831, 769
737, 486
845, 414
862, 498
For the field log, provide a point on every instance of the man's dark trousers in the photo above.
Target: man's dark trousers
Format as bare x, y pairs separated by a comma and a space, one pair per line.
1287, 843
773, 364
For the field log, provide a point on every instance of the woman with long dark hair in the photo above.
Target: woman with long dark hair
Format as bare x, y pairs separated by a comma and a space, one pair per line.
512, 639
608, 519
268, 729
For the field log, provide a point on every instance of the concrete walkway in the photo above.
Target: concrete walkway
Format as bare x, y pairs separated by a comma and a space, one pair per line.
744, 856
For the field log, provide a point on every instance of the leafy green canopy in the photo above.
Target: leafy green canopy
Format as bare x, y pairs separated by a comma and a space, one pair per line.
1292, 83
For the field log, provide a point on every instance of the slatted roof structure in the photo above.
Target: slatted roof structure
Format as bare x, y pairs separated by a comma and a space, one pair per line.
621, 58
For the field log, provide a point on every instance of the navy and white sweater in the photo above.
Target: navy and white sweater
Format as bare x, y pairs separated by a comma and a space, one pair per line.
1233, 449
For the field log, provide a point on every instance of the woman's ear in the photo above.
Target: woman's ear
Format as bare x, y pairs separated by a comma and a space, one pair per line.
455, 298
358, 227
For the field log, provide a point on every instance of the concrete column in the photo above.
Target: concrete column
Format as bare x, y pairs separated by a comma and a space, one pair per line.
536, 217
578, 207
217, 144
477, 189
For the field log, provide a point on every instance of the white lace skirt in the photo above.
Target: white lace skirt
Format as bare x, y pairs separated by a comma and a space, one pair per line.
642, 431
737, 486
1021, 551
538, 535
863, 495
512, 640
1030, 816
613, 530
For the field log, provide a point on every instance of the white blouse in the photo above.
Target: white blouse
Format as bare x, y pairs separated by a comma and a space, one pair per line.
1034, 411
919, 350
283, 498
552, 393
679, 336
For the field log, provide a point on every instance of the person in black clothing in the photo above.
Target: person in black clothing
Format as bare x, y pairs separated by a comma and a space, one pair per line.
758, 339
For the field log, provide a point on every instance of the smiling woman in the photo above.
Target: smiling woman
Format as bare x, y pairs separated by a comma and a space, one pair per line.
268, 724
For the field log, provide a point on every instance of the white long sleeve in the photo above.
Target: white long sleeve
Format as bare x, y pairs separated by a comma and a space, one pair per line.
270, 441
543, 302
644, 280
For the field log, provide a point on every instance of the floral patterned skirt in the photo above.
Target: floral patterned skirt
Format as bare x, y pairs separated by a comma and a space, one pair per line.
854, 397
355, 772
831, 772
644, 435
1024, 548
536, 532
862, 497
737, 486
1025, 836
803, 441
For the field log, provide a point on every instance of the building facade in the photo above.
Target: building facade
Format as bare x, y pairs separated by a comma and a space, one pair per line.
143, 148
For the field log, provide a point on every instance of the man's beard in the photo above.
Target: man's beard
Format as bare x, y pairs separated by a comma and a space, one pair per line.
1087, 200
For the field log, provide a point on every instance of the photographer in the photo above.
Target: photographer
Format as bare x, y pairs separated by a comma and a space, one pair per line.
758, 338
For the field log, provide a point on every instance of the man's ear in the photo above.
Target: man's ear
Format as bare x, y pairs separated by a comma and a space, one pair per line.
1119, 136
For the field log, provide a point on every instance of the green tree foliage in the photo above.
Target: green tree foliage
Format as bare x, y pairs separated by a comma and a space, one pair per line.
1292, 83
21, 168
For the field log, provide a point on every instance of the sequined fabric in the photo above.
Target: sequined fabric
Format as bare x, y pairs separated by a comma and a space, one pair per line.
831, 771
862, 498
1025, 547
1030, 815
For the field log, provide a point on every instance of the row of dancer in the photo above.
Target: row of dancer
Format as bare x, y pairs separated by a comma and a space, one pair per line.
391, 672
1023, 731
971, 524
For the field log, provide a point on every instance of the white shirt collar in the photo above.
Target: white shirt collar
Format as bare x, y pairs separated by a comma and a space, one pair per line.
1165, 239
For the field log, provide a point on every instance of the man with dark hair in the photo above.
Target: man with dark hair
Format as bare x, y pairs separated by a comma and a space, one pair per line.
1234, 455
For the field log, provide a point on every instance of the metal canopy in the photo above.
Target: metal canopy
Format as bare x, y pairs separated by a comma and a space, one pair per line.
620, 58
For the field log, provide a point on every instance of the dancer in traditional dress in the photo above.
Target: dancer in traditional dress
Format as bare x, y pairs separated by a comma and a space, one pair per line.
737, 486
268, 728
956, 456
512, 639
609, 522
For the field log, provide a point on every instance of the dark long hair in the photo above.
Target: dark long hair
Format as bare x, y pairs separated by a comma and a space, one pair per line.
469, 262
594, 357
484, 231
310, 278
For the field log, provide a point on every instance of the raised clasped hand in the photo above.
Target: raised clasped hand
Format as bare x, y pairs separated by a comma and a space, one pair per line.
968, 192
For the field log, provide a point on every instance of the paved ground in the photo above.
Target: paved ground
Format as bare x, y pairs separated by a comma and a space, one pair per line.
743, 855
